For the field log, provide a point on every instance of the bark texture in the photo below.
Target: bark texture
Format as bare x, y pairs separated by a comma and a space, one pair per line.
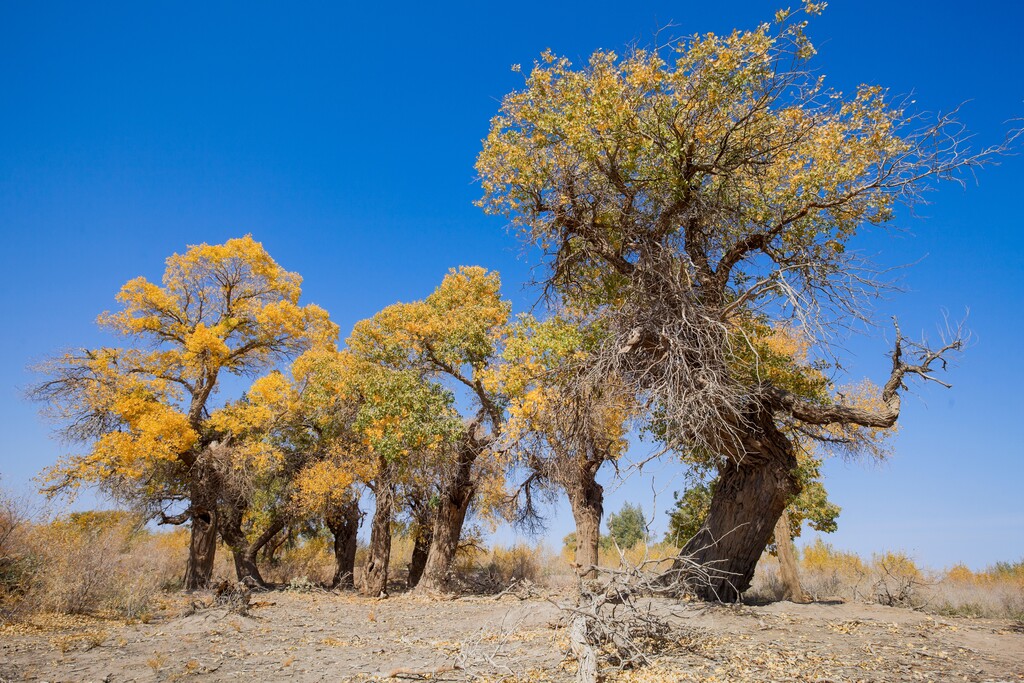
230, 523
794, 592
456, 495
753, 489
586, 498
420, 552
202, 548
375, 574
344, 525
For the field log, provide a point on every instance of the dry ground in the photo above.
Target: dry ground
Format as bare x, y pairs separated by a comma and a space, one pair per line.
338, 637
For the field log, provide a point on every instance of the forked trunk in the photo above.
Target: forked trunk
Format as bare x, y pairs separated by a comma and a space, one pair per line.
450, 517
751, 494
202, 548
586, 497
274, 545
264, 539
420, 551
375, 574
794, 592
236, 540
344, 525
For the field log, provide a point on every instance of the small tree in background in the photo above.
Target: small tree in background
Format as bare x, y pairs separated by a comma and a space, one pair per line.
627, 527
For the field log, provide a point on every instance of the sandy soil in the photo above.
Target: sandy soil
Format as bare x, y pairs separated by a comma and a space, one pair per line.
340, 637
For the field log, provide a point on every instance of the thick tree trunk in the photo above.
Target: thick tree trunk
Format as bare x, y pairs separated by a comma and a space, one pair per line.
375, 574
202, 548
450, 517
344, 525
752, 492
420, 552
586, 498
231, 532
786, 552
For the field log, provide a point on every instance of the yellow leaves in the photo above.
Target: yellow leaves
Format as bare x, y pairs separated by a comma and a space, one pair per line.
205, 348
586, 160
220, 307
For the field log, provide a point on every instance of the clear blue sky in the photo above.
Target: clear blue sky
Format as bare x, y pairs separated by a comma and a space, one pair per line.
343, 137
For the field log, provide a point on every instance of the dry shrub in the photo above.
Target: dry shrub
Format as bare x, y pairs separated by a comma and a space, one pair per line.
653, 555
401, 555
996, 592
642, 552
16, 566
498, 567
101, 562
893, 578
898, 580
830, 573
310, 560
766, 585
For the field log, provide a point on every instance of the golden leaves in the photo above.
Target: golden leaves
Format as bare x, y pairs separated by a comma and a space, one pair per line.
220, 307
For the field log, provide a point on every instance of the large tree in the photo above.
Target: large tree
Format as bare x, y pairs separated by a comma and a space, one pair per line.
144, 409
681, 192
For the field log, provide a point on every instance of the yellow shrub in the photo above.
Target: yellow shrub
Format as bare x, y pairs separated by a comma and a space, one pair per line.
311, 559
896, 563
822, 557
960, 573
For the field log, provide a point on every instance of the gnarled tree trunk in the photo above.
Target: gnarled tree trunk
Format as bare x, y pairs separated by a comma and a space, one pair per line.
344, 525
754, 487
241, 550
420, 552
202, 545
586, 498
787, 561
202, 548
375, 574
450, 517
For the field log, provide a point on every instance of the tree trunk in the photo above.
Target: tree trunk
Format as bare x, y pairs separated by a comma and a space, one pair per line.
455, 498
375, 574
235, 539
202, 548
586, 498
273, 545
786, 551
344, 525
265, 538
420, 551
753, 490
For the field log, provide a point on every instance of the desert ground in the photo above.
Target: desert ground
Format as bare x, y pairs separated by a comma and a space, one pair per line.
337, 636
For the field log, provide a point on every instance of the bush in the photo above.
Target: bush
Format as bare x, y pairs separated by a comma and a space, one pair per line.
101, 563
310, 559
93, 562
497, 568
898, 580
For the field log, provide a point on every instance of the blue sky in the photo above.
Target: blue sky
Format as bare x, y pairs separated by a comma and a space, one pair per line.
343, 137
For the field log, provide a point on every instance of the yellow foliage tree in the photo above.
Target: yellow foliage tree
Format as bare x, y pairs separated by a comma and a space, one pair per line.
454, 337
144, 409
562, 426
